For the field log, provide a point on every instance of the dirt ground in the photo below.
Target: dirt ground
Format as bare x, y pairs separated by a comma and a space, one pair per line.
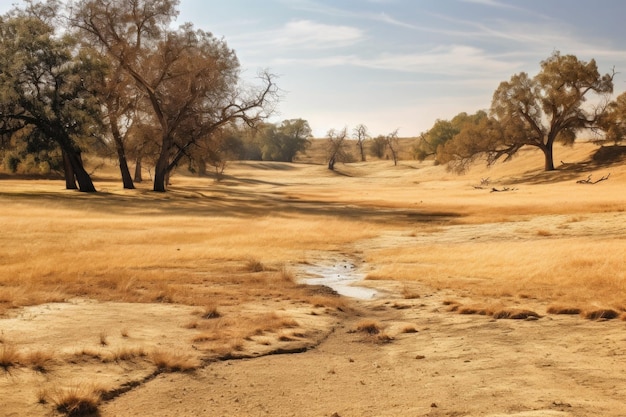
407, 351
430, 362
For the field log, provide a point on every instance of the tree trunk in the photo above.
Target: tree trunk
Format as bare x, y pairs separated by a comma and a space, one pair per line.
127, 180
549, 157
362, 151
331, 164
201, 166
160, 173
68, 172
85, 184
138, 177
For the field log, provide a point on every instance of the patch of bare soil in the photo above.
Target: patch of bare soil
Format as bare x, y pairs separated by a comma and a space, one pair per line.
421, 360
430, 363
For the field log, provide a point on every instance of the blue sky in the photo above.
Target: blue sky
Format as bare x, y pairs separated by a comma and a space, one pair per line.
402, 64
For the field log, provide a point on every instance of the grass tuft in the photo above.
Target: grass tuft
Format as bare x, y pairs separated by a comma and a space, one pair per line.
515, 314
75, 401
211, 312
254, 265
173, 362
38, 360
9, 357
409, 294
601, 314
370, 327
560, 309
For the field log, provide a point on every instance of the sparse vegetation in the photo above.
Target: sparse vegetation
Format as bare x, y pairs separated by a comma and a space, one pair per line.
81, 399
9, 356
174, 362
370, 327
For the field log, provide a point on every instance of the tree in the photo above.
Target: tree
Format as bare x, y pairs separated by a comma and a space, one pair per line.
121, 106
336, 150
282, 142
549, 107
378, 145
393, 145
614, 120
442, 132
361, 134
189, 77
47, 90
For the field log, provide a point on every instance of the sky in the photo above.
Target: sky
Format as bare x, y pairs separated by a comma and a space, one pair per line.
403, 64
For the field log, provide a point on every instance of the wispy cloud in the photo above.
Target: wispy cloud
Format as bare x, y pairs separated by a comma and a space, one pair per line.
304, 34
452, 60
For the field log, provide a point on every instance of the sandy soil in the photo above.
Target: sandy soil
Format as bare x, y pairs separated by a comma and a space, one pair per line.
430, 362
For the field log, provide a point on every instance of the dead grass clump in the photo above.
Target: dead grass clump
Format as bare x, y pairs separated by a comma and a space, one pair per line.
9, 357
38, 360
254, 265
270, 322
210, 312
382, 338
559, 309
409, 328
601, 314
515, 314
78, 400
477, 309
173, 362
286, 275
128, 353
543, 232
370, 327
409, 294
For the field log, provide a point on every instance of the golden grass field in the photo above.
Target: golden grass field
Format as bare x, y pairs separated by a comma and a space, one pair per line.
232, 251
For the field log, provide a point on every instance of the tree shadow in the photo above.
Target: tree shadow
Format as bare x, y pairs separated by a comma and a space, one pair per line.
604, 157
224, 201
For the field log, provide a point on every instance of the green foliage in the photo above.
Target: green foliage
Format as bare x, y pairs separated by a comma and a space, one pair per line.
283, 141
46, 95
442, 132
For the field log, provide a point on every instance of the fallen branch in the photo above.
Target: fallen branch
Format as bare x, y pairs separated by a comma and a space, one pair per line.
501, 190
588, 180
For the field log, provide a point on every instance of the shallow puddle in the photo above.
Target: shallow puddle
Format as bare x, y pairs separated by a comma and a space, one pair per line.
341, 277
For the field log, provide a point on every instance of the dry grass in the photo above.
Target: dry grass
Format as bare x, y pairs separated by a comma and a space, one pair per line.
188, 246
81, 399
370, 327
174, 362
127, 353
38, 360
9, 356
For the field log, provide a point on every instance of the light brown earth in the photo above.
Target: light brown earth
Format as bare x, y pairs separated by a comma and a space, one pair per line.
431, 244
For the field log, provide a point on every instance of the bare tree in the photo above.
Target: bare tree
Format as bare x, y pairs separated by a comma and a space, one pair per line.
336, 147
361, 134
394, 145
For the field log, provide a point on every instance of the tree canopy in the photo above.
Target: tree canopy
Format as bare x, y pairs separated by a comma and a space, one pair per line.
536, 111
189, 77
47, 89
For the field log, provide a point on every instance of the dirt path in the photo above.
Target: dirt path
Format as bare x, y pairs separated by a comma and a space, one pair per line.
454, 365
